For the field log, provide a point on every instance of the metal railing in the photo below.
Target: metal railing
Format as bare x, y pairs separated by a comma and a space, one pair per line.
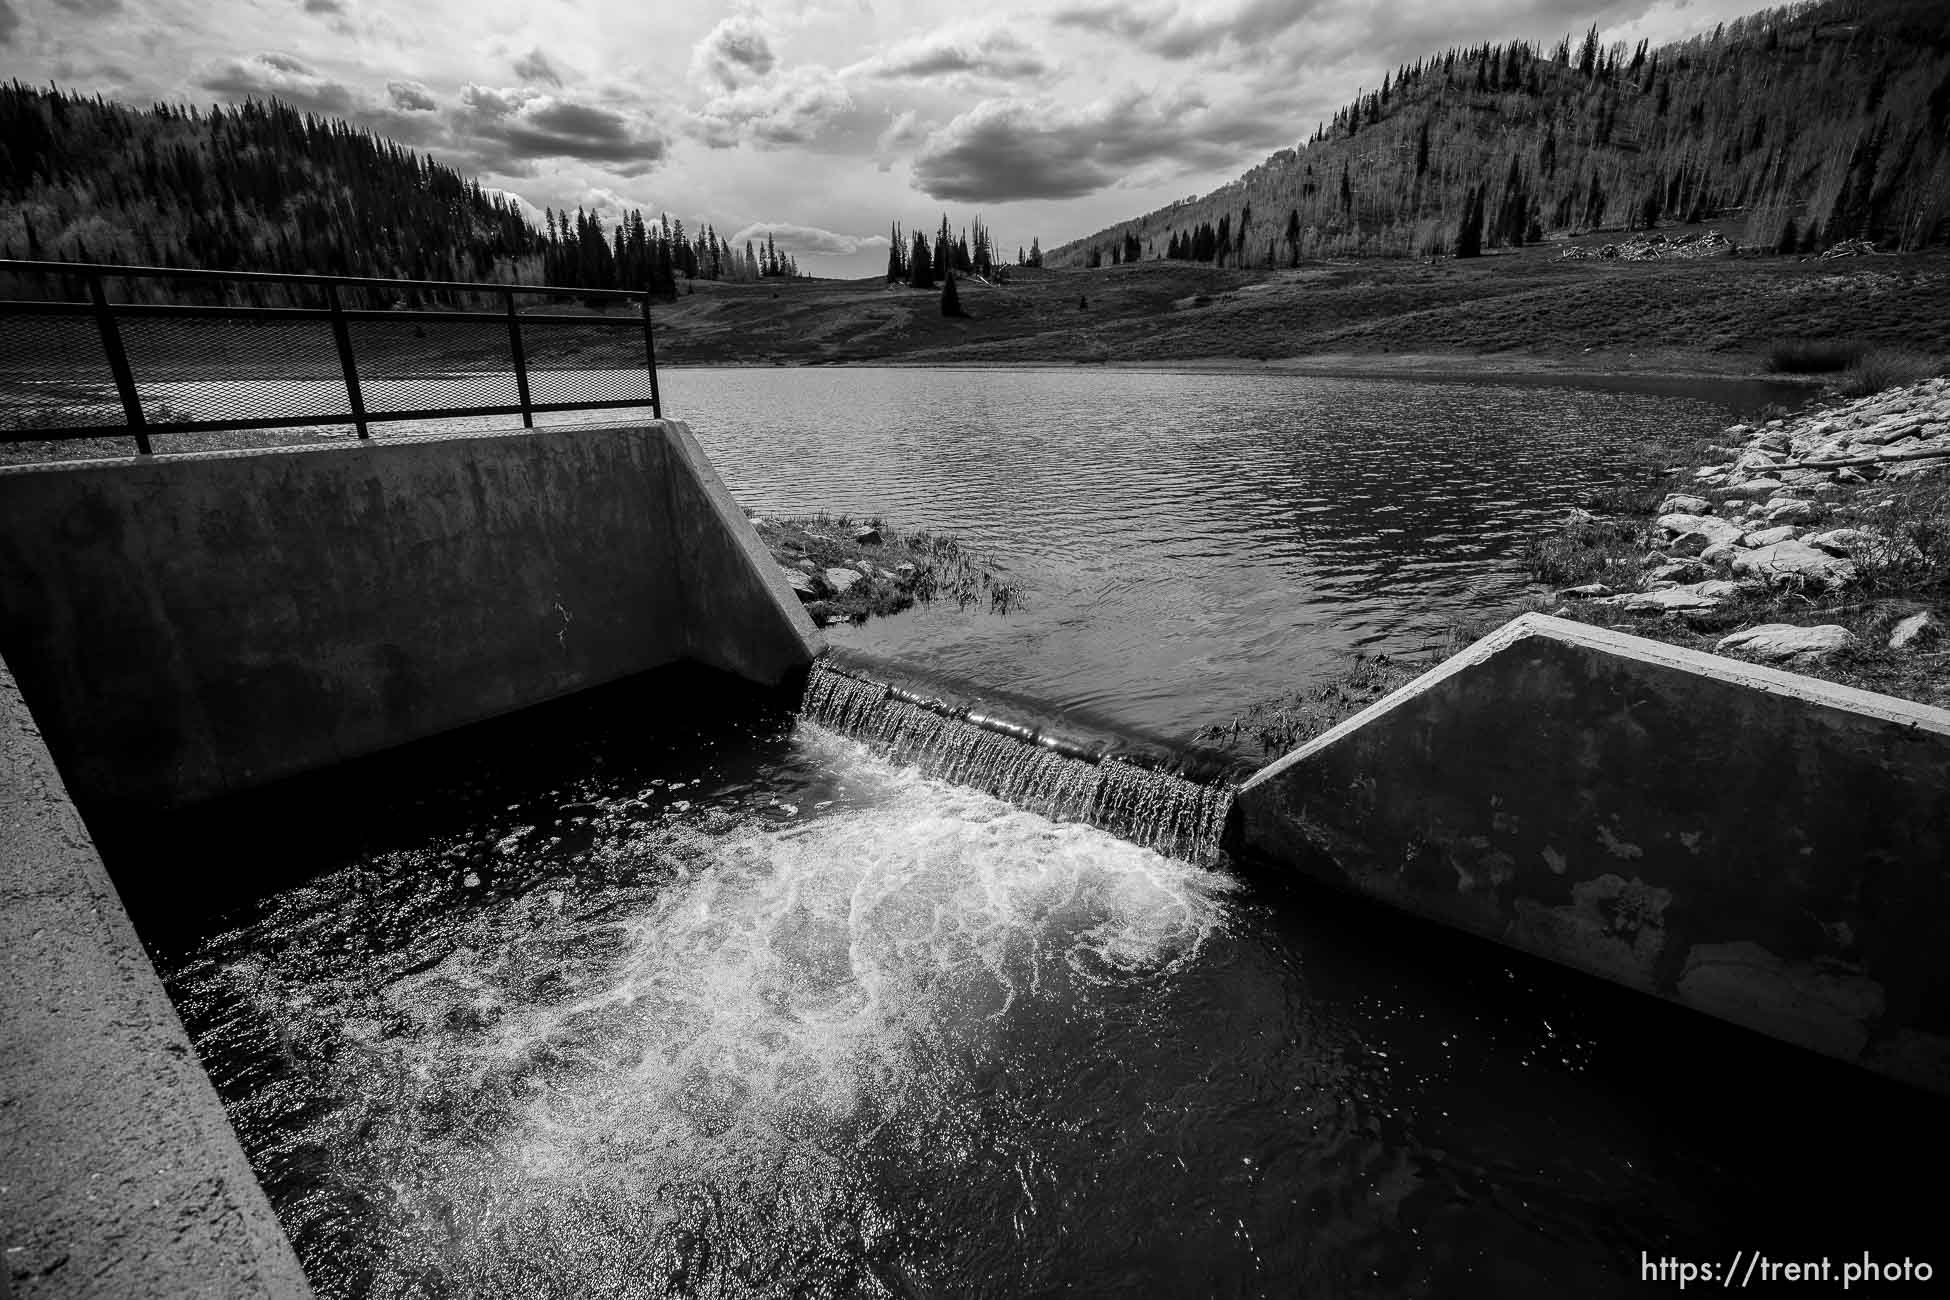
270, 351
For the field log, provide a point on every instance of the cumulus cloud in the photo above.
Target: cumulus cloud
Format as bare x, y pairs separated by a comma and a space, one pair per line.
794, 107
734, 53
273, 74
809, 239
1002, 150
513, 128
902, 134
534, 66
996, 53
411, 97
1177, 31
1324, 31
514, 200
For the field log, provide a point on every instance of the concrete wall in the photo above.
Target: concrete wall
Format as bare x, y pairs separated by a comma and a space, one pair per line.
119, 1175
189, 625
1757, 845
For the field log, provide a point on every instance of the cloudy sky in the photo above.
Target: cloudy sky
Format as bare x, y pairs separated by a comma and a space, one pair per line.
821, 120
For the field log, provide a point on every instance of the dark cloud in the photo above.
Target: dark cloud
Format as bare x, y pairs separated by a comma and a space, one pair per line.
1010, 149
534, 66
272, 74
9, 21
998, 54
510, 129
734, 53
90, 8
324, 6
411, 97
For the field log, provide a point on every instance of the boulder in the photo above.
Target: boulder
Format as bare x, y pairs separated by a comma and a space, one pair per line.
1789, 510
1844, 541
842, 580
1753, 488
1677, 572
1915, 632
1769, 536
1793, 562
803, 585
1681, 504
1589, 591
1784, 642
1670, 600
866, 536
1721, 554
1714, 529
905, 573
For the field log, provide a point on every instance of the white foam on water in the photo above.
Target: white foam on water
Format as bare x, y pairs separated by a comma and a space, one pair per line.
693, 1088
842, 972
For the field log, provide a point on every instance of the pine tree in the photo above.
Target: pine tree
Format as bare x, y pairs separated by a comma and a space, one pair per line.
1469, 234
920, 273
950, 300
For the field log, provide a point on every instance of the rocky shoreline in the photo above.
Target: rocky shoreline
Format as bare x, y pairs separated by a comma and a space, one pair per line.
1811, 539
845, 571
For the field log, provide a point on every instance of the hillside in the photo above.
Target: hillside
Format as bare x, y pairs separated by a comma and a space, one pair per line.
1516, 309
1797, 127
263, 187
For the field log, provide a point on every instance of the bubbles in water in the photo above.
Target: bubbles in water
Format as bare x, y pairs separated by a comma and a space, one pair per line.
699, 1084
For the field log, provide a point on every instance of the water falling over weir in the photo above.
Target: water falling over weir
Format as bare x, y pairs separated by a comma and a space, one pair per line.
1037, 772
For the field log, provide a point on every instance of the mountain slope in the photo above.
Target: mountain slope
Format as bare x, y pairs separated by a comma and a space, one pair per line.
260, 187
264, 187
1803, 125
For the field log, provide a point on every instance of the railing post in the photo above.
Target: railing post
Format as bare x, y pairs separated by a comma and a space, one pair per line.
118, 363
343, 337
650, 358
521, 362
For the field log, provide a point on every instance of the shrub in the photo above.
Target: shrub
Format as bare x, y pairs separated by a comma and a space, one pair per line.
1812, 356
1886, 368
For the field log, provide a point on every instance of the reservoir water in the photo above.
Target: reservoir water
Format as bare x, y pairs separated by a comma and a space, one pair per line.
1189, 543
666, 990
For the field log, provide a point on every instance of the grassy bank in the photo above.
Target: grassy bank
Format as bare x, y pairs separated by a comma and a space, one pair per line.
1525, 307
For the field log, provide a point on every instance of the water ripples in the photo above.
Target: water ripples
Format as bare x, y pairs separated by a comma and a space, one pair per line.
1190, 543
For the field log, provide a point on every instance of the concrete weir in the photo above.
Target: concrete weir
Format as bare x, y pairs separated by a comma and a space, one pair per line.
1754, 844
178, 627
186, 626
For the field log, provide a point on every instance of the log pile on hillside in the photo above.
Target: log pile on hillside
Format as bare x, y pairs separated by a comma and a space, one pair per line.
1654, 247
